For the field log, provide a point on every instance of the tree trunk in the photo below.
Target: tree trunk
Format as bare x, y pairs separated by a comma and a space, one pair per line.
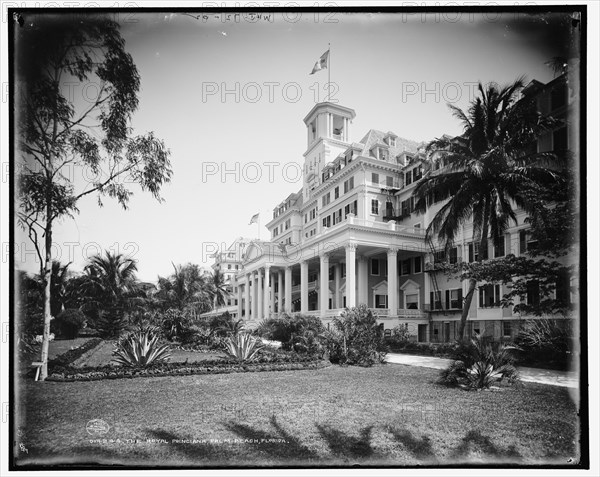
47, 285
466, 308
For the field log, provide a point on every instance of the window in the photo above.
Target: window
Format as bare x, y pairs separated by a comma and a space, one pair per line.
229, 267
327, 221
349, 185
374, 207
405, 269
489, 296
474, 252
454, 299
405, 206
499, 249
417, 264
375, 178
436, 300
288, 222
374, 266
563, 289
506, 329
475, 327
439, 256
343, 270
305, 218
453, 255
326, 199
408, 178
381, 301
336, 193
417, 173
525, 242
412, 302
533, 293
389, 181
389, 209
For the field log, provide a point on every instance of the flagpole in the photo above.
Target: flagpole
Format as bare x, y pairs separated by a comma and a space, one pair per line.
329, 75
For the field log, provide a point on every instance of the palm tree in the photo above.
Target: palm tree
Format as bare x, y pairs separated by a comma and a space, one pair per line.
112, 286
219, 290
186, 289
486, 170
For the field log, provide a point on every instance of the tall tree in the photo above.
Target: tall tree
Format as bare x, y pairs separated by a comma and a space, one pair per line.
186, 289
486, 170
58, 132
218, 289
112, 286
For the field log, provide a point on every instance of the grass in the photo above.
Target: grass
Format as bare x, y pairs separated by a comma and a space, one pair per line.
385, 415
103, 355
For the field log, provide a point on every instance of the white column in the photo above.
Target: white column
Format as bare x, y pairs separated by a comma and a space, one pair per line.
350, 275
324, 282
266, 300
280, 291
259, 295
337, 280
272, 294
288, 289
247, 297
392, 281
363, 280
254, 296
303, 286
239, 298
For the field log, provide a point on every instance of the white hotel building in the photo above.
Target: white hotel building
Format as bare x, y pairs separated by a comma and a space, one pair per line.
350, 236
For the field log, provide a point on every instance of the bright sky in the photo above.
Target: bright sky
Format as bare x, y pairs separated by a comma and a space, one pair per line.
396, 71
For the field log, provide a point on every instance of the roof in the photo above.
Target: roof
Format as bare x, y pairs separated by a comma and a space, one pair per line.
373, 137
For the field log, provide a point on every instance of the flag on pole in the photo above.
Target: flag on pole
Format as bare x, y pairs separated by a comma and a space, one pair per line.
254, 219
322, 63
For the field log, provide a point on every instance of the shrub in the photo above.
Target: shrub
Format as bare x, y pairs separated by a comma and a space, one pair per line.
69, 323
141, 349
222, 325
301, 333
356, 338
176, 324
111, 325
242, 347
479, 363
546, 341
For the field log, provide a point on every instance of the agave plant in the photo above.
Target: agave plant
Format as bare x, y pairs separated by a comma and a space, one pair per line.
141, 348
479, 364
242, 347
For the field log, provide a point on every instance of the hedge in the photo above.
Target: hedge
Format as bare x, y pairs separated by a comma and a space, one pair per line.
288, 363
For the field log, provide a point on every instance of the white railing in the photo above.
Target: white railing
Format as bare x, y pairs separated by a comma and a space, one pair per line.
312, 286
391, 225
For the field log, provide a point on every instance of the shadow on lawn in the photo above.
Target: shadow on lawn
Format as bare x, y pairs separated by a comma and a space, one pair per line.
344, 445
419, 448
292, 448
475, 441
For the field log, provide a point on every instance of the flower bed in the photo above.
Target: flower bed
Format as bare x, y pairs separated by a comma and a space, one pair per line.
220, 366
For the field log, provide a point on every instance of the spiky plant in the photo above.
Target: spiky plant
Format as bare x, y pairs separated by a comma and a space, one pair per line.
479, 364
242, 347
141, 349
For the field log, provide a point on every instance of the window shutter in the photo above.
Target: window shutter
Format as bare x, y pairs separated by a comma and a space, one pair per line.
460, 298
470, 252
431, 300
522, 242
448, 299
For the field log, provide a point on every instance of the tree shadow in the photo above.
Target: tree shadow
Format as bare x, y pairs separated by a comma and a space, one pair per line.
344, 445
475, 441
419, 448
290, 448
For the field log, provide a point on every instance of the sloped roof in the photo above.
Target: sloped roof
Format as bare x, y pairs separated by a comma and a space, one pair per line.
374, 136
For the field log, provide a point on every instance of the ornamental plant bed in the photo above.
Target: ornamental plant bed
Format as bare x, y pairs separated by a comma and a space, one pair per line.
220, 366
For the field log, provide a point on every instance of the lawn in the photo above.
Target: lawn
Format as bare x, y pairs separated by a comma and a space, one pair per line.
385, 415
103, 354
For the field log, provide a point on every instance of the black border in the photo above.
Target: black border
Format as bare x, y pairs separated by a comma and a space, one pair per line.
584, 462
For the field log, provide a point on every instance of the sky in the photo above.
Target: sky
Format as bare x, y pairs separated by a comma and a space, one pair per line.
228, 98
